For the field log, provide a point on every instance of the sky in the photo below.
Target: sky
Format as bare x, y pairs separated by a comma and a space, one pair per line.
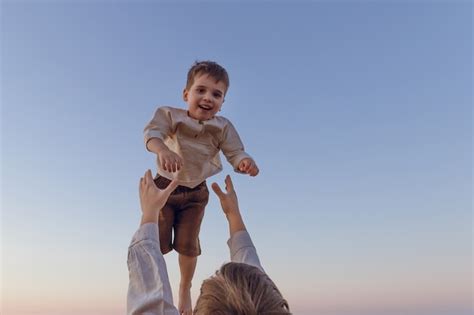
358, 114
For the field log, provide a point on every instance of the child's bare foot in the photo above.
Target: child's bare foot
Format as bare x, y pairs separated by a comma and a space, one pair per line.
184, 302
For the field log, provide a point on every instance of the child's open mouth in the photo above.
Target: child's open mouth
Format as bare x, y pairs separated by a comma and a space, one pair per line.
205, 107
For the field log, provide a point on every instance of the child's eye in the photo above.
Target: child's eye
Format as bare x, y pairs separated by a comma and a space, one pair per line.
200, 90
217, 95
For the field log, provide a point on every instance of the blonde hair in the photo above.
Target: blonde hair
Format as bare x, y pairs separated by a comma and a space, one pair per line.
240, 289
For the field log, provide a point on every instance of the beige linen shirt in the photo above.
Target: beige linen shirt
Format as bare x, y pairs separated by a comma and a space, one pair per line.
197, 142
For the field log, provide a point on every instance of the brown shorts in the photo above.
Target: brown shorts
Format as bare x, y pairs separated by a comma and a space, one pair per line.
182, 215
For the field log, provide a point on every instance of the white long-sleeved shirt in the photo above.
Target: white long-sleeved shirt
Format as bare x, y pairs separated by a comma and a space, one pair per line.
197, 142
149, 290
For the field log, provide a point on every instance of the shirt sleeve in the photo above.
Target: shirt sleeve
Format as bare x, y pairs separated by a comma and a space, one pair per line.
232, 146
160, 126
149, 290
242, 249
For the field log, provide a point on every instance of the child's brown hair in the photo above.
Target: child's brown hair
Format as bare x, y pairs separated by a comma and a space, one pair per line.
210, 68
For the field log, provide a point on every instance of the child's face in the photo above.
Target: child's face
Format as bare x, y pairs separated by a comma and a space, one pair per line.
204, 97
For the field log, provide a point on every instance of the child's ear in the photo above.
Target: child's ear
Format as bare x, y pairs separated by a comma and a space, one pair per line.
185, 95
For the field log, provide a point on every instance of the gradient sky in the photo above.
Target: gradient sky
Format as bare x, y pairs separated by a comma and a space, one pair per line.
358, 114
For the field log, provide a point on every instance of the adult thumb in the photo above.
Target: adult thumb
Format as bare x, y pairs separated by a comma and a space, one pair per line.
171, 187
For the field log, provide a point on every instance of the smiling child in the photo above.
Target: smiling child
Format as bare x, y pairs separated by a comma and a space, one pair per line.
187, 144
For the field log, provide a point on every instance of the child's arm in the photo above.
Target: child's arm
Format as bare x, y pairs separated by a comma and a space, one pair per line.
233, 149
169, 160
160, 127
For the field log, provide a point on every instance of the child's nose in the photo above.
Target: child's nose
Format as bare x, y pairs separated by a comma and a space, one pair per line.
207, 97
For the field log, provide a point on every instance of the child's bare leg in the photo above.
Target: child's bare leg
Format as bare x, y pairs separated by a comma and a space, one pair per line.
187, 265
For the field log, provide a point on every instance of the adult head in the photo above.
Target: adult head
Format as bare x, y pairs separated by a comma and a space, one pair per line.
240, 289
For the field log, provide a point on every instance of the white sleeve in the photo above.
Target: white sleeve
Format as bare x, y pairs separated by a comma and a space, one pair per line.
149, 290
242, 249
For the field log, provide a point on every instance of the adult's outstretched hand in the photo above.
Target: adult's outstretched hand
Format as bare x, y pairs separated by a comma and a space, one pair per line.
152, 199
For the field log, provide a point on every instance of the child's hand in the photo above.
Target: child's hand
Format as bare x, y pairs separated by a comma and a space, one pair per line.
229, 202
248, 166
170, 161
152, 199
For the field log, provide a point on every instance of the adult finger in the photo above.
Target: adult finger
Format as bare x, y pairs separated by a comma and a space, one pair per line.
217, 190
229, 186
148, 177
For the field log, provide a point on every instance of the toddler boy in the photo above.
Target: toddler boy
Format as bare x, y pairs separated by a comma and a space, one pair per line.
187, 145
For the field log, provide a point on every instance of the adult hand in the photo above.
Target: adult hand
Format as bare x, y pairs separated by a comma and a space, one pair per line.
152, 199
229, 202
230, 205
248, 166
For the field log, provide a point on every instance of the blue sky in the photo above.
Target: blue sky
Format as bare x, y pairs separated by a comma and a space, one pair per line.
358, 114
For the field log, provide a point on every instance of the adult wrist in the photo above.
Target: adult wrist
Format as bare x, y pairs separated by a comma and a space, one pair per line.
149, 218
